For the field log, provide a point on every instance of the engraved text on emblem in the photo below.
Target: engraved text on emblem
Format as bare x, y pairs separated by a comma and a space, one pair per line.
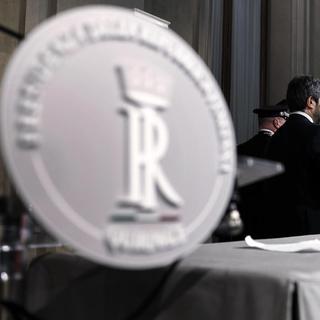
146, 95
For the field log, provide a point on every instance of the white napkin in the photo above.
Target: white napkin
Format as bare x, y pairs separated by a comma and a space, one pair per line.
308, 245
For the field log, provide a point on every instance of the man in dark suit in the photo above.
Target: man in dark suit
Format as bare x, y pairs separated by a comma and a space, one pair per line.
270, 120
295, 194
250, 197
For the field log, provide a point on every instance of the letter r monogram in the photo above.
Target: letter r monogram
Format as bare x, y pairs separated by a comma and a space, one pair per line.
148, 140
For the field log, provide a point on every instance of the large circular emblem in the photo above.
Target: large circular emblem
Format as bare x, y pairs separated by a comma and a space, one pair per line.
117, 136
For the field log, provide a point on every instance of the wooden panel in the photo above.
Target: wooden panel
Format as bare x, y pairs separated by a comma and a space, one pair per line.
10, 13
37, 11
300, 34
11, 16
68, 4
314, 38
181, 14
289, 44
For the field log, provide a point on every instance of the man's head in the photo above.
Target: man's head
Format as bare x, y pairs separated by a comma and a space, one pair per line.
303, 94
272, 117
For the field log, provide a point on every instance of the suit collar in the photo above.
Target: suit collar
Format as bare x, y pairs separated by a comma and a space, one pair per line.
301, 113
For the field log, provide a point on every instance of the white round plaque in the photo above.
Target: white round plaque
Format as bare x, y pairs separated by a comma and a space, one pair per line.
117, 135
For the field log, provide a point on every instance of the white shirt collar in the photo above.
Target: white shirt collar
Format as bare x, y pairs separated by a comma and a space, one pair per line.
303, 114
268, 131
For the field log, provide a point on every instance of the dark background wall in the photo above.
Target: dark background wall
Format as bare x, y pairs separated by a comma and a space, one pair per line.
292, 43
253, 47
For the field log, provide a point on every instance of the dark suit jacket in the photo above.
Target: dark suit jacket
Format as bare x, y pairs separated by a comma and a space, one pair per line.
293, 198
250, 197
256, 146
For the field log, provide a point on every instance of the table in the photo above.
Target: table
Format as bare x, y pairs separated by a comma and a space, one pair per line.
217, 281
238, 282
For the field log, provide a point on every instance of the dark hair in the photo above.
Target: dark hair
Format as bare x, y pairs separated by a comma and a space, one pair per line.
300, 89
